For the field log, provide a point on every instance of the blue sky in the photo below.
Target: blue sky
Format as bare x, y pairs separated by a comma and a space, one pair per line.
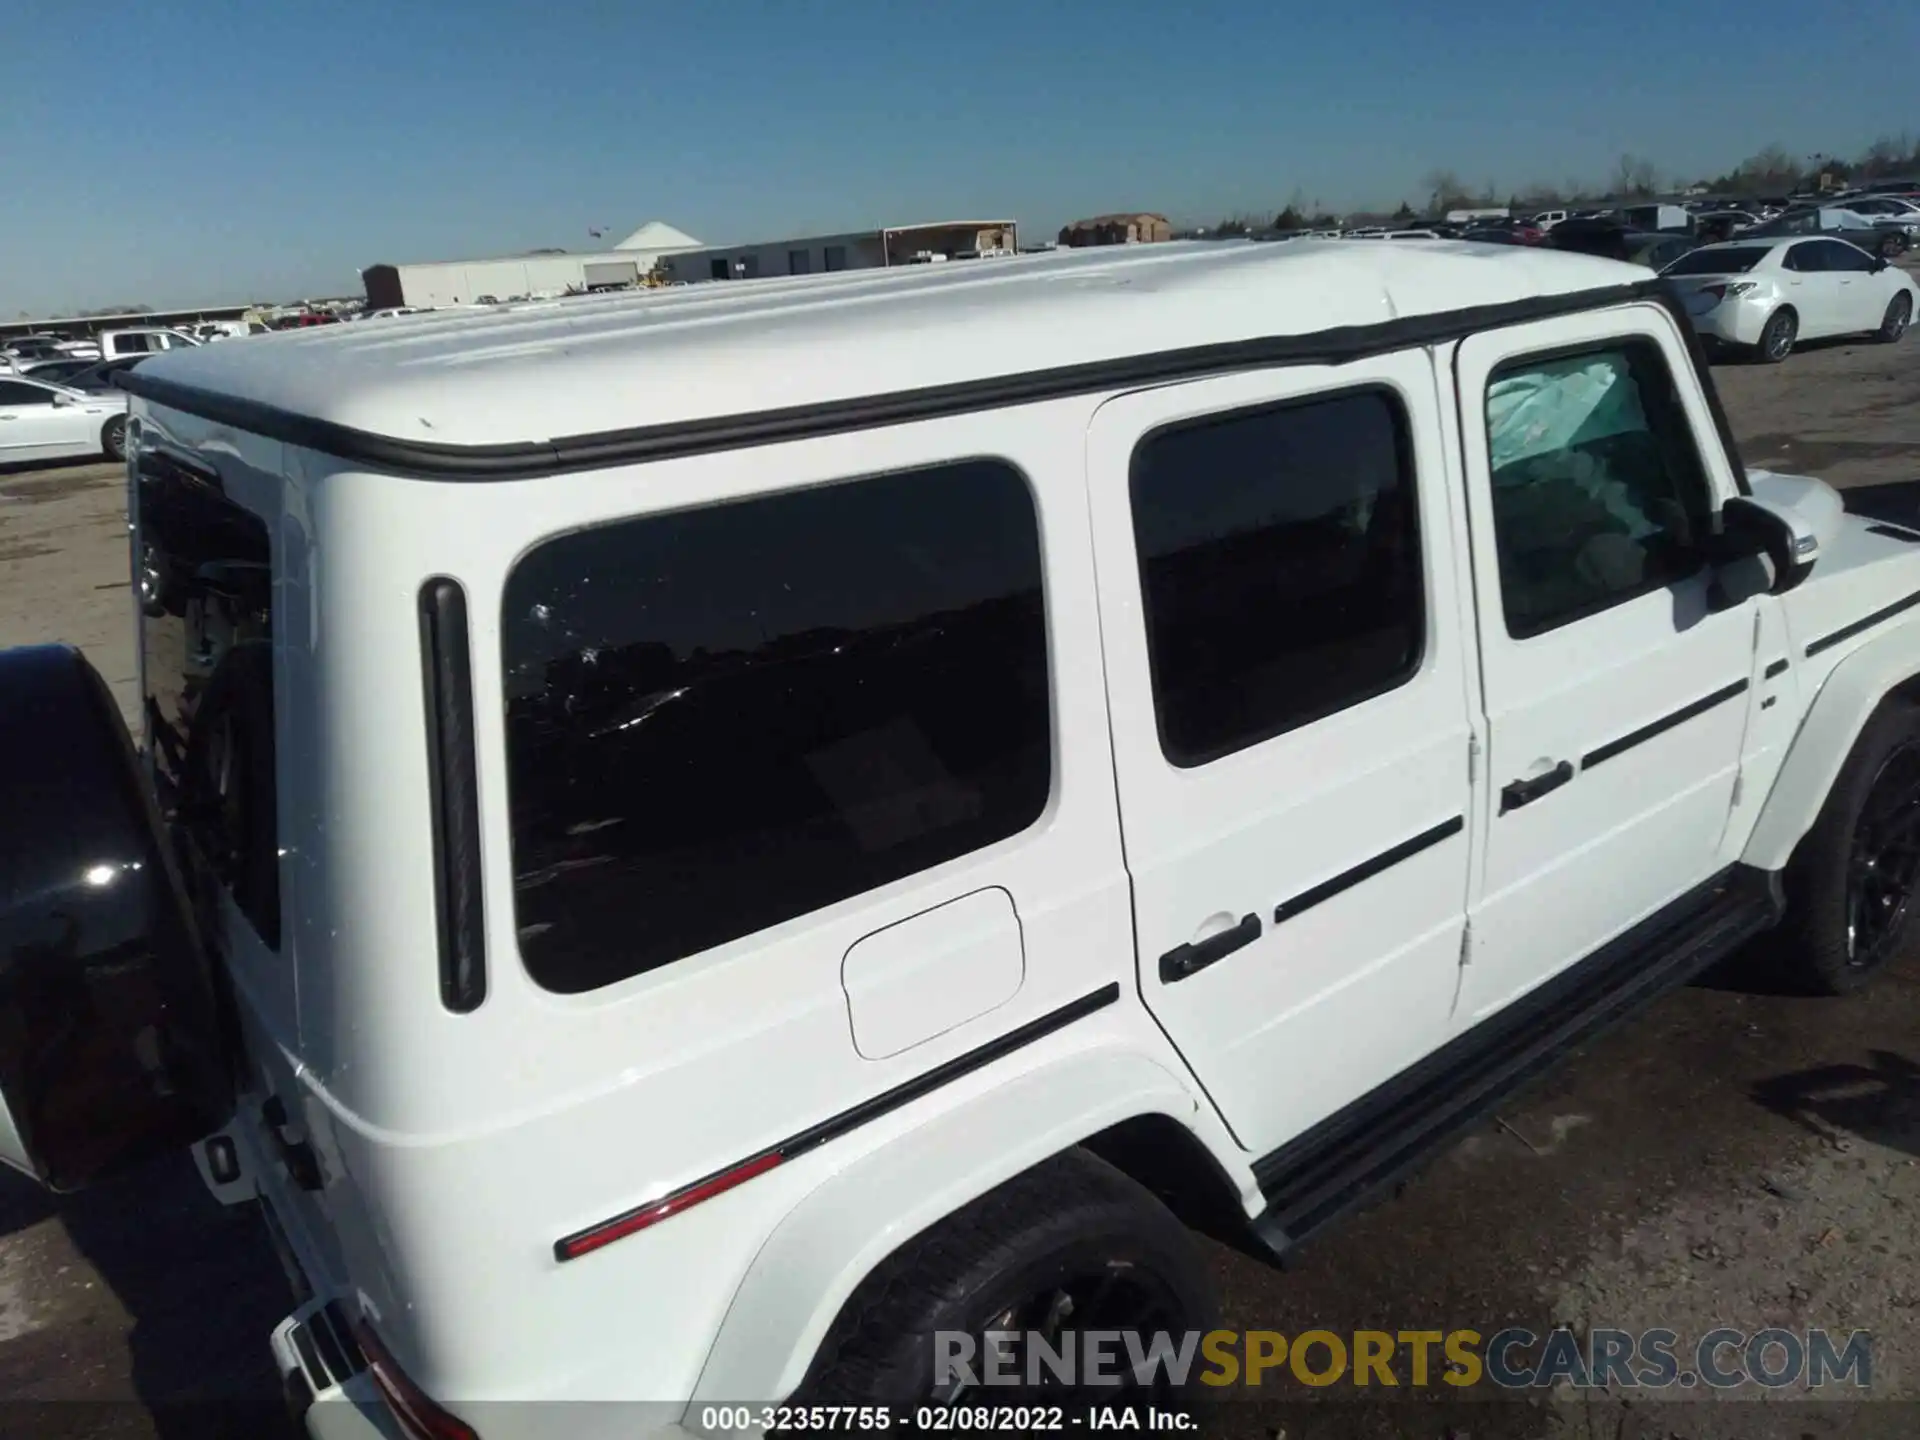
203, 151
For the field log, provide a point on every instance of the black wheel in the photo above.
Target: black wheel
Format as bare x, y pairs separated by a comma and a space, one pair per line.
1850, 886
1899, 315
1069, 1247
1891, 247
113, 438
1776, 341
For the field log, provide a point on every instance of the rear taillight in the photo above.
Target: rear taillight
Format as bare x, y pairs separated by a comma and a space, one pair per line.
418, 1415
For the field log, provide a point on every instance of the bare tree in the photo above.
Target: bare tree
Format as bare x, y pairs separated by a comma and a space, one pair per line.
1446, 191
1635, 177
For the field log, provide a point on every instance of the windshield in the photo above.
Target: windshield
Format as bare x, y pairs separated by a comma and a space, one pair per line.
1734, 260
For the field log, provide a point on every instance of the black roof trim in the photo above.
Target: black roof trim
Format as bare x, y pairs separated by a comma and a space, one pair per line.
530, 459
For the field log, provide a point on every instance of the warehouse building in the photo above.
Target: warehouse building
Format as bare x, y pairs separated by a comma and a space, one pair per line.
542, 273
854, 250
1133, 228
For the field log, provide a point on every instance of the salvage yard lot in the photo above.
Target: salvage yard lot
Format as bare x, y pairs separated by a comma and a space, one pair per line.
1735, 1158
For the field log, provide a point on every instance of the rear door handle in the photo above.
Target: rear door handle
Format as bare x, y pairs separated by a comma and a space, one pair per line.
1185, 960
1524, 792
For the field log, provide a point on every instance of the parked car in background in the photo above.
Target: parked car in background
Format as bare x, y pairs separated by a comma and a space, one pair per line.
1547, 219
1715, 225
1765, 295
1491, 236
1606, 236
17, 355
39, 421
142, 340
56, 372
1890, 209
208, 331
1656, 251
1883, 238
97, 378
1656, 217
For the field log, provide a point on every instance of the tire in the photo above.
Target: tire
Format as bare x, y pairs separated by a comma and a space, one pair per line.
1894, 324
1851, 882
1891, 247
1072, 1226
228, 786
113, 438
1776, 339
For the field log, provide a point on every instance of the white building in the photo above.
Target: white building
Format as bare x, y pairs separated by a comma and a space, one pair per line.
854, 250
540, 273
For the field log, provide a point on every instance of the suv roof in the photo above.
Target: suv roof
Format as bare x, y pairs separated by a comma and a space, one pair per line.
539, 371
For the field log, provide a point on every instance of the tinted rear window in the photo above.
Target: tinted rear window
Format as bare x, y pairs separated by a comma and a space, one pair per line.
203, 566
1735, 260
723, 718
1279, 568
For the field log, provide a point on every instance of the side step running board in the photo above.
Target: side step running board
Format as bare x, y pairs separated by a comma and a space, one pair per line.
1354, 1154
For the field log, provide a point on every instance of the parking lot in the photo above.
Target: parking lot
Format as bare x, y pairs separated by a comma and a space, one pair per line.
1737, 1157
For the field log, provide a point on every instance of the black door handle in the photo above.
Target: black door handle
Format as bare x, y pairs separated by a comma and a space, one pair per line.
1524, 792
1184, 960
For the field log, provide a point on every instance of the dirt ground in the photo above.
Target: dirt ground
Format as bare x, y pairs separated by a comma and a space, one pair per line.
1735, 1157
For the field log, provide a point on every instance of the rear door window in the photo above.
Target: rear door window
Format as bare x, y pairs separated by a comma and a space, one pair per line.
724, 718
204, 571
1279, 568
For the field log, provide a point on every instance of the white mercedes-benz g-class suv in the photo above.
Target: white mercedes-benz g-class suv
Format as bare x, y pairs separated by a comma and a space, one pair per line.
685, 843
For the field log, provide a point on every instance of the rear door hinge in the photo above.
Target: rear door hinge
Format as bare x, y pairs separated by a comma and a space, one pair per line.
1466, 944
1473, 758
1739, 784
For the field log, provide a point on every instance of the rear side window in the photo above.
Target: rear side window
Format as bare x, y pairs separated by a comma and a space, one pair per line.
723, 718
203, 566
1279, 568
1717, 260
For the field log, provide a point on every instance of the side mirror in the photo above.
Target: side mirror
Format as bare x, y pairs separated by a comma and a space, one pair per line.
61, 401
111, 1040
1760, 549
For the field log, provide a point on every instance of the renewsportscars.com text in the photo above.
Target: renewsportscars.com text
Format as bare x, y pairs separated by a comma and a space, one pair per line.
1511, 1359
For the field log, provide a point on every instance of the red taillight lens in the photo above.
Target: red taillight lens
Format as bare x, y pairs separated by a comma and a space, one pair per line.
418, 1415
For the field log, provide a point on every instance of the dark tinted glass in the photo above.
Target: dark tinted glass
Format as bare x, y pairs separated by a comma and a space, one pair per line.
1598, 490
203, 568
1732, 260
720, 719
1279, 568
1838, 256
13, 394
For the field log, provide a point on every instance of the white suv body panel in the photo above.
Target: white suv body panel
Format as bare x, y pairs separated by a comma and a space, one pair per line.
1654, 824
457, 1149
1262, 827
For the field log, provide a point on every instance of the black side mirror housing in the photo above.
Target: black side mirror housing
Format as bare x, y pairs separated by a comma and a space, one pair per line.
112, 1043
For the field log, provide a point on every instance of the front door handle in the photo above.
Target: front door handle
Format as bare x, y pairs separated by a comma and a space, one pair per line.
1185, 960
1524, 792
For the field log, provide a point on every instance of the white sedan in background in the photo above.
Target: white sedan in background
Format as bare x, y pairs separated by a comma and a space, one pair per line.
43, 421
1766, 295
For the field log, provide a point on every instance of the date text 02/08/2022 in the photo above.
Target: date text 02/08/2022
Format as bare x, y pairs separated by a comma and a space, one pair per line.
942, 1419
